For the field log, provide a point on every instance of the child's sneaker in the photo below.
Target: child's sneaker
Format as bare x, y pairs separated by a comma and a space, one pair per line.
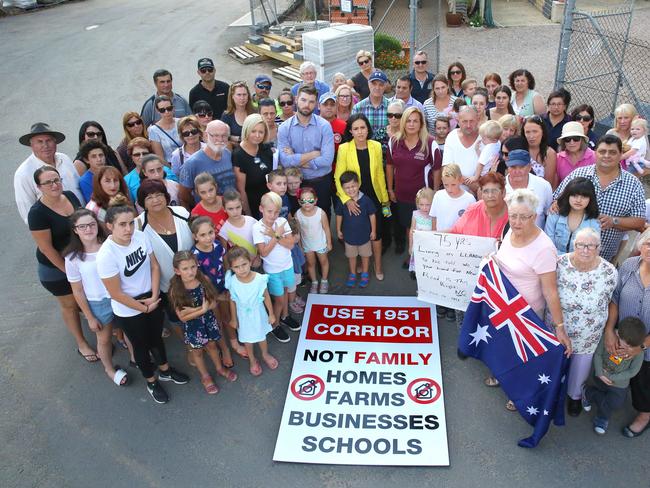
296, 307
280, 334
157, 392
291, 323
586, 404
172, 375
300, 301
324, 287
314, 287
600, 425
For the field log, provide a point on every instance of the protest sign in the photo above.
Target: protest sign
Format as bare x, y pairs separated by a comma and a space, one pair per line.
366, 385
447, 265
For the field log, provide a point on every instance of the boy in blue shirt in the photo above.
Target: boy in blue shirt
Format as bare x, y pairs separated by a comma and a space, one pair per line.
356, 229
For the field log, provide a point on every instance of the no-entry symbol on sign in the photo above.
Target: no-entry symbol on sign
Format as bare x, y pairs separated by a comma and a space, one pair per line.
307, 387
423, 390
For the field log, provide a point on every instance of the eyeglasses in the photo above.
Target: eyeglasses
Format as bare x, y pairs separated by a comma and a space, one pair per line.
263, 86
572, 139
285, 104
307, 200
490, 191
93, 134
582, 246
584, 118
154, 196
162, 110
52, 182
191, 132
206, 70
521, 218
393, 116
556, 104
133, 124
421, 62
456, 72
218, 136
345, 96
139, 154
204, 114
361, 62
84, 227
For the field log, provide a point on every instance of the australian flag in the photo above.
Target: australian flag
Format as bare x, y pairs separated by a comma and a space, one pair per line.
506, 334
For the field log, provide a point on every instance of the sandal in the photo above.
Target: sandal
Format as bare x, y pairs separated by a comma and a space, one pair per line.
256, 370
91, 358
365, 279
510, 406
379, 276
491, 381
208, 384
229, 375
240, 350
271, 362
123, 344
352, 280
120, 378
228, 365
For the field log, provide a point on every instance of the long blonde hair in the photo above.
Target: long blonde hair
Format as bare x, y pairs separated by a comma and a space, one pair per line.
423, 135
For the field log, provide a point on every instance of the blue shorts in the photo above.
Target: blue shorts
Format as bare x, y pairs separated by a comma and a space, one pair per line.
279, 281
102, 310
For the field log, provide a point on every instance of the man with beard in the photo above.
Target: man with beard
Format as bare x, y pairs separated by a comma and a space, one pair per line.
460, 146
306, 140
215, 159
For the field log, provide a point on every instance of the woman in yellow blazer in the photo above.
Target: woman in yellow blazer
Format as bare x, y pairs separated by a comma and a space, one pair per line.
363, 156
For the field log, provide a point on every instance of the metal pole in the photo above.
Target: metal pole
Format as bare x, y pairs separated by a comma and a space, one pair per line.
565, 43
438, 39
414, 33
315, 15
252, 2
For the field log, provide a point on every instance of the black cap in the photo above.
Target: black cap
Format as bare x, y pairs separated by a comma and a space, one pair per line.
205, 63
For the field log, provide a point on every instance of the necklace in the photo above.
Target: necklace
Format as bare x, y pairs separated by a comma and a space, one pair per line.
156, 223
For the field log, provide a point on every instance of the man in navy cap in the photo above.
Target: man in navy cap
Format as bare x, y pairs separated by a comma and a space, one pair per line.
210, 90
262, 88
375, 107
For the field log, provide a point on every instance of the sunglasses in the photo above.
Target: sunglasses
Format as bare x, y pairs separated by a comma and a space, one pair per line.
505, 153
363, 61
307, 200
421, 62
139, 154
94, 134
572, 139
285, 104
204, 114
162, 110
133, 124
456, 72
206, 70
263, 86
585, 118
393, 116
191, 132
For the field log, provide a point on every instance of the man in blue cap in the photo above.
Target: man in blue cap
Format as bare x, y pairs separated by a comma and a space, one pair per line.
375, 107
261, 90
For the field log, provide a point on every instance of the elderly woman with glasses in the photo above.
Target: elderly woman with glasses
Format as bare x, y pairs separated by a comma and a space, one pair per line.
91, 130
133, 127
528, 258
574, 150
585, 283
164, 133
308, 74
191, 135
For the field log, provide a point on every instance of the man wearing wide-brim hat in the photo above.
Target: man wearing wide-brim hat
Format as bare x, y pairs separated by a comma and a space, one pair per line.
43, 141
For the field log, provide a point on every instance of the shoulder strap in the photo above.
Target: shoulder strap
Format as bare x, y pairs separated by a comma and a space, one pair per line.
186, 219
170, 137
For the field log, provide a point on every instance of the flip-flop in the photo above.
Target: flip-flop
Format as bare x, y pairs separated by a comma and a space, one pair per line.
510, 406
238, 350
208, 384
123, 344
379, 276
271, 363
630, 434
91, 358
120, 378
256, 370
229, 375
491, 381
229, 365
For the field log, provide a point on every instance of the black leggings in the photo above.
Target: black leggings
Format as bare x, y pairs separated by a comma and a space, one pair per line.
144, 331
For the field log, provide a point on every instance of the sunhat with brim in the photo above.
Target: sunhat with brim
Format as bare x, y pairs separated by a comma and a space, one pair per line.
39, 129
572, 129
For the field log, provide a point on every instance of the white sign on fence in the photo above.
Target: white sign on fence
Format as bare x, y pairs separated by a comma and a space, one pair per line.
366, 385
447, 265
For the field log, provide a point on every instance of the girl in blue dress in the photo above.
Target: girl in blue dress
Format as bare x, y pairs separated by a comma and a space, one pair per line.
251, 310
194, 299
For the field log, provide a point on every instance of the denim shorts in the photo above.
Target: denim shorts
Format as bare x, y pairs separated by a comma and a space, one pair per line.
279, 281
102, 310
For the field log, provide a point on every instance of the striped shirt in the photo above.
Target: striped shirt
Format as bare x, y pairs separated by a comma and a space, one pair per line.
623, 197
632, 298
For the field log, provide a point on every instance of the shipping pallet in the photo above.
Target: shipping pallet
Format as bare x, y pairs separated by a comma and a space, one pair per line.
245, 55
292, 45
265, 50
287, 73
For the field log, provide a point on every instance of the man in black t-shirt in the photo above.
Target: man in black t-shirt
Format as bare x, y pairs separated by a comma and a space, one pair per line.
215, 92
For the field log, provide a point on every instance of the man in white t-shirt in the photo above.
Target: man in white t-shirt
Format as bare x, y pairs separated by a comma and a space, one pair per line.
519, 176
43, 142
460, 146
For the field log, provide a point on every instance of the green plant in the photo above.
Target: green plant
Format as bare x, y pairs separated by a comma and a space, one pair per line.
384, 42
476, 20
391, 60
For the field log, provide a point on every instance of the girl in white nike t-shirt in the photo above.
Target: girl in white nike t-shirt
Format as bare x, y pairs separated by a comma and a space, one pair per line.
129, 270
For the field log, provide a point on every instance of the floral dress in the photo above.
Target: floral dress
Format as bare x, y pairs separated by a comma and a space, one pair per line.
585, 297
252, 318
197, 332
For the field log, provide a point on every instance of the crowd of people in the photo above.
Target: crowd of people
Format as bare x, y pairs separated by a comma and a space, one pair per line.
210, 212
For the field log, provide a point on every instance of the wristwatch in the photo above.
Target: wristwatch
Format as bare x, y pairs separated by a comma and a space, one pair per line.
615, 221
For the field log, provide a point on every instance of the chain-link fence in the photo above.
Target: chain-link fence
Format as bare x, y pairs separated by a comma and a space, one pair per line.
601, 64
265, 13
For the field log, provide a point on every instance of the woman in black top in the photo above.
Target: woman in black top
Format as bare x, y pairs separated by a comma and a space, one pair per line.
49, 224
93, 130
252, 161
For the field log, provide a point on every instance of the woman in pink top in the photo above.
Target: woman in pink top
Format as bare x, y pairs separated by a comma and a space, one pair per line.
574, 150
528, 258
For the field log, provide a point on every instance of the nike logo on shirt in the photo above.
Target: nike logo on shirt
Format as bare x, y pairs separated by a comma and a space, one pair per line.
134, 261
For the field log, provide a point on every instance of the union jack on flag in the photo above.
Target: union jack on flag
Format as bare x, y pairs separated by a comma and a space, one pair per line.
502, 330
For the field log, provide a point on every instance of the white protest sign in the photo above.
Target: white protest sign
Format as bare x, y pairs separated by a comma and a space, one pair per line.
366, 385
447, 265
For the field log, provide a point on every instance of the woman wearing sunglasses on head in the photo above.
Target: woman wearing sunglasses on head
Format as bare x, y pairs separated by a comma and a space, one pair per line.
133, 126
191, 135
93, 130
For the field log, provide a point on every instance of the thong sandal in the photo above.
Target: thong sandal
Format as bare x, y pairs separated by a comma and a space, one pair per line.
491, 381
241, 351
229, 375
256, 370
208, 384
510, 406
271, 362
91, 358
120, 378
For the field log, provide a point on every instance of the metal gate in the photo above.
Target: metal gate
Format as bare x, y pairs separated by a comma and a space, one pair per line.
600, 63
